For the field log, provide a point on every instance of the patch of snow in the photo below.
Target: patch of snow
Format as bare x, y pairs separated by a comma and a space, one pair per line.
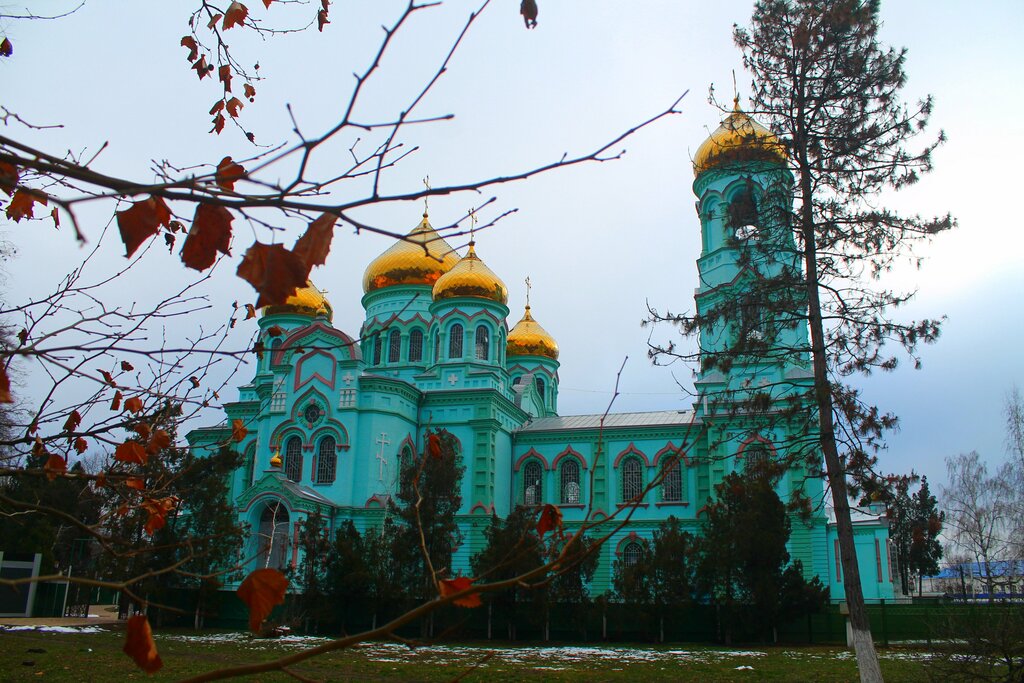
744, 667
55, 629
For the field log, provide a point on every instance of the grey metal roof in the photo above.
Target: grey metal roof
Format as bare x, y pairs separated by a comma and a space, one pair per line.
304, 492
661, 417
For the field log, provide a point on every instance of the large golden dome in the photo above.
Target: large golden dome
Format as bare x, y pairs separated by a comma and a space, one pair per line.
738, 138
420, 259
306, 300
528, 338
471, 277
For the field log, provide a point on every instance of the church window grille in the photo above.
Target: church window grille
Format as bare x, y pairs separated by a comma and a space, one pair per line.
483, 343
539, 383
672, 483
757, 459
753, 321
631, 554
632, 479
533, 492
376, 348
394, 346
250, 465
743, 214
326, 461
416, 346
272, 539
348, 398
570, 482
455, 335
293, 459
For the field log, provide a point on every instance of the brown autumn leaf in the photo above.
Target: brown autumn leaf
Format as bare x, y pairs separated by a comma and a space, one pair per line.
5, 386
528, 8
101, 480
195, 381
249, 91
137, 483
142, 429
259, 348
213, 21
434, 446
266, 3
227, 173
457, 585
55, 466
235, 16
193, 49
157, 510
275, 331
218, 123
23, 203
6, 49
202, 68
233, 105
261, 591
74, 419
81, 445
141, 221
250, 311
126, 366
134, 404
8, 177
56, 218
550, 520
273, 271
315, 243
224, 76
140, 646
115, 404
159, 441
321, 19
217, 106
238, 430
210, 233
131, 452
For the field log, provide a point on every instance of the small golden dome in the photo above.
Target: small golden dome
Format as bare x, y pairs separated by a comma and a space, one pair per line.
275, 460
420, 259
471, 277
306, 300
738, 138
528, 338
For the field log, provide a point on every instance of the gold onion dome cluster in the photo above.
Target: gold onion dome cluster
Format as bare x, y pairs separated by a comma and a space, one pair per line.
738, 138
420, 259
306, 300
471, 277
528, 338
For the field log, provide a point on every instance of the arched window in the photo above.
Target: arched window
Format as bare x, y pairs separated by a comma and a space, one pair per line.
758, 459
455, 335
293, 459
326, 461
672, 482
394, 346
272, 539
376, 348
533, 492
570, 481
631, 554
250, 465
742, 215
539, 383
416, 346
483, 343
274, 346
437, 347
632, 479
516, 380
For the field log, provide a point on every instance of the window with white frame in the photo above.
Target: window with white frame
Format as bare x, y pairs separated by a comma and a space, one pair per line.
455, 339
293, 459
533, 493
326, 460
632, 475
394, 346
570, 472
672, 482
483, 343
416, 346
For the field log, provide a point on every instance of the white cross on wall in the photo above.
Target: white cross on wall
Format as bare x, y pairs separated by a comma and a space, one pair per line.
453, 379
347, 378
383, 441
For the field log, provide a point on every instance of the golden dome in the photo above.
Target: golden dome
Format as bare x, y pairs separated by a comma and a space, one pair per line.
528, 338
276, 460
471, 277
420, 259
306, 300
738, 138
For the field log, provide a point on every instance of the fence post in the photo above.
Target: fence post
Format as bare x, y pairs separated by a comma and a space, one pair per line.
885, 626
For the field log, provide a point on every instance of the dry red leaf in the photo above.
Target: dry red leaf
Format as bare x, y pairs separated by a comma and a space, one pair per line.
56, 218
233, 105
157, 510
136, 483
249, 91
315, 243
81, 445
550, 520
250, 311
227, 173
224, 75
235, 16
457, 585
108, 378
528, 8
195, 381
238, 430
134, 404
8, 177
321, 19
131, 452
193, 49
261, 591
6, 49
218, 123
101, 480
434, 446
55, 465
202, 68
126, 366
74, 419
266, 3
5, 386
213, 21
210, 233
23, 202
217, 106
115, 404
259, 348
139, 644
273, 271
159, 441
142, 429
141, 221
275, 331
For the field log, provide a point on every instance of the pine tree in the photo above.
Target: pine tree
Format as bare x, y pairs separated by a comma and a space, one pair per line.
925, 549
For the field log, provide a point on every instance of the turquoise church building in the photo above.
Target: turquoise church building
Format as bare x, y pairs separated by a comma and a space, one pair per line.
330, 415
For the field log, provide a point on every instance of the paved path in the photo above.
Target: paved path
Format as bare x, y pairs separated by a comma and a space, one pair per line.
105, 614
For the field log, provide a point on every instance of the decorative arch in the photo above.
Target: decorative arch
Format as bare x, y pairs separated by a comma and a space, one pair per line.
530, 454
376, 502
669, 450
332, 428
757, 439
569, 452
631, 537
481, 508
283, 432
631, 450
310, 358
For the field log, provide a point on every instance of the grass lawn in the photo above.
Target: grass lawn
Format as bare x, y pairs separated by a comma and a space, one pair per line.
96, 656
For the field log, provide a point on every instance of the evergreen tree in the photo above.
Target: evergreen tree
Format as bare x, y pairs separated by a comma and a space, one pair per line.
568, 587
900, 513
925, 549
310, 575
673, 566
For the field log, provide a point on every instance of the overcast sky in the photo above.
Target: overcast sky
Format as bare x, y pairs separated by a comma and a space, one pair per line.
599, 242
